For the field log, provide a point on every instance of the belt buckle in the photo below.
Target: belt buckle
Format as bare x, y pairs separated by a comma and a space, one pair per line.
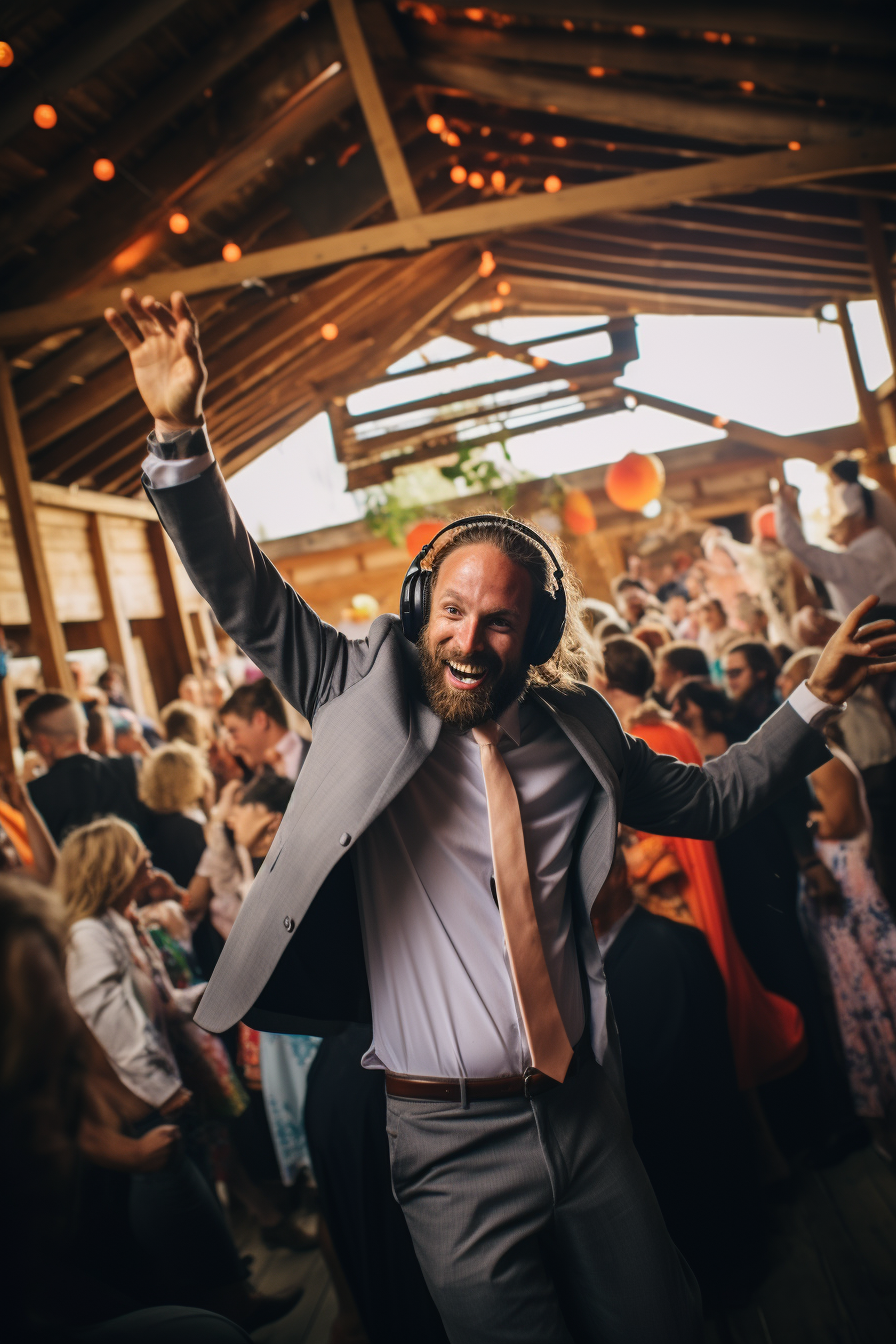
530, 1075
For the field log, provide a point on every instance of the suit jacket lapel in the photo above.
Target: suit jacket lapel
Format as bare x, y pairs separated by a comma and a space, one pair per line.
584, 742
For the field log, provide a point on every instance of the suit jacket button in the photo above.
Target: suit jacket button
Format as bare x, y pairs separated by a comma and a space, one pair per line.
289, 924
345, 839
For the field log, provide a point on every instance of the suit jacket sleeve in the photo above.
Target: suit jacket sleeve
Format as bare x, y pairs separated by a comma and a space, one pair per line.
667, 797
306, 659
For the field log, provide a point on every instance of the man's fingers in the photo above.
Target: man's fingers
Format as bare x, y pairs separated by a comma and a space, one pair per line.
876, 669
144, 322
181, 309
854, 619
877, 626
165, 318
129, 338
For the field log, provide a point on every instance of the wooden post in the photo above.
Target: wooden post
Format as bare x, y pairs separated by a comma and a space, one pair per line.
177, 619
115, 628
877, 460
881, 270
46, 632
9, 734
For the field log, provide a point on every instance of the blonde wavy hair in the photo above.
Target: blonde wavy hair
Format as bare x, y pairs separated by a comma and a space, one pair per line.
568, 665
172, 777
97, 862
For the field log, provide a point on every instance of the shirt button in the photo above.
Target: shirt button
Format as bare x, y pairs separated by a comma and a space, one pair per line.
289, 924
345, 839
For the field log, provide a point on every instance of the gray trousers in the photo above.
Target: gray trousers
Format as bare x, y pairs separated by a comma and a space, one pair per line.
534, 1220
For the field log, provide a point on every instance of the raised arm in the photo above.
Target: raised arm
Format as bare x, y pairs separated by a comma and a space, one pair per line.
666, 797
306, 659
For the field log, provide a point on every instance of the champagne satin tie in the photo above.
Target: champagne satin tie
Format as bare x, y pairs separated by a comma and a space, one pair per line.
548, 1042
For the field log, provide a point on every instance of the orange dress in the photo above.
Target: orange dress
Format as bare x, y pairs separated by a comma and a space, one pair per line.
767, 1032
13, 824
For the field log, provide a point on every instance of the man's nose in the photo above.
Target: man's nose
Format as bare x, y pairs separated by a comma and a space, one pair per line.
469, 636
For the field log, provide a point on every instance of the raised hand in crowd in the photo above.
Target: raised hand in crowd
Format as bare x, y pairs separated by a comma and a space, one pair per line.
850, 657
163, 343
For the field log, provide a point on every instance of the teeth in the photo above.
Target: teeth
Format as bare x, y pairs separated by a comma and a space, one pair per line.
467, 669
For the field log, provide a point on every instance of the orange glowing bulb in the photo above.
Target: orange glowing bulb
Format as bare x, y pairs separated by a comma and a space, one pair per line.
559, 141
458, 174
719, 421
485, 130
503, 288
7, 56
329, 331
487, 264
476, 180
451, 138
552, 183
596, 71
526, 138
793, 144
45, 116
475, 15
746, 85
104, 170
611, 147
231, 251
435, 123
496, 305
710, 37
178, 222
725, 39
569, 25
499, 181
539, 362
638, 30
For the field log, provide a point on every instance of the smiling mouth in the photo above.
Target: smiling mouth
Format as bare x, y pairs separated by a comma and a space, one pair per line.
465, 675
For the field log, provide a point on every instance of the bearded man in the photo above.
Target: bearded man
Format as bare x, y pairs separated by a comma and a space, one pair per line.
462, 792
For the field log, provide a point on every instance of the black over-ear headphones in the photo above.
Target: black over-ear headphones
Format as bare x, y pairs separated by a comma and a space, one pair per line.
548, 619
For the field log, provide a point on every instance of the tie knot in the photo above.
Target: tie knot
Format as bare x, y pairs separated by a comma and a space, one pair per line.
487, 734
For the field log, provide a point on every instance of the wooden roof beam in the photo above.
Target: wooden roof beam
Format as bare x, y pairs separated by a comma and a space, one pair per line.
834, 76
735, 120
643, 190
821, 24
382, 133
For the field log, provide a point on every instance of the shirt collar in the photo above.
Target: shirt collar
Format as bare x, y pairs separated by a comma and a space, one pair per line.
509, 722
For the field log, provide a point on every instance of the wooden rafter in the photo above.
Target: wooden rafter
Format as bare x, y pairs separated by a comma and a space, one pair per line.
632, 193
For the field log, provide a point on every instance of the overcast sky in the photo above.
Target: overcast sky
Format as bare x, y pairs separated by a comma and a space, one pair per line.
782, 374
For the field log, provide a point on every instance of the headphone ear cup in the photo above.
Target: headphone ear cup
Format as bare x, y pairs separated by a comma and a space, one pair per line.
414, 603
549, 630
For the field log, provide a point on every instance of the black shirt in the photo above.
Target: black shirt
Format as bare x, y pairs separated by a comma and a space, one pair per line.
83, 787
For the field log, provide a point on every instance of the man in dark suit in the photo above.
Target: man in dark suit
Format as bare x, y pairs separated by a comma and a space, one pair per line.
78, 786
473, 786
689, 1121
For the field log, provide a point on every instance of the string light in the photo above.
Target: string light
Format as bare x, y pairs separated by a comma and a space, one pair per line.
178, 222
499, 181
526, 138
539, 362
458, 174
487, 264
552, 183
476, 180
231, 251
569, 25
104, 170
746, 84
7, 55
725, 39
638, 30
45, 116
451, 138
485, 130
435, 123
793, 144
596, 71
496, 305
329, 331
719, 421
559, 141
710, 37
475, 15
503, 288
610, 147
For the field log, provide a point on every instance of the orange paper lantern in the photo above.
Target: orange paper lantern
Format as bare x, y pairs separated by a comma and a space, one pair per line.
104, 170
178, 222
763, 522
45, 116
552, 183
635, 481
7, 56
435, 123
231, 251
578, 515
421, 534
329, 331
458, 174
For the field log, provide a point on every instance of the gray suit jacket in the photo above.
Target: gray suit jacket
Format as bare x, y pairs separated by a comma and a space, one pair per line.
294, 953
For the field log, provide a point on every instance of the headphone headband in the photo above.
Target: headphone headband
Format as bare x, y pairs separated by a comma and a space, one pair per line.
547, 630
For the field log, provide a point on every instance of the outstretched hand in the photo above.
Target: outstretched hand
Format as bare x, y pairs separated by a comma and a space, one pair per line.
851, 654
163, 344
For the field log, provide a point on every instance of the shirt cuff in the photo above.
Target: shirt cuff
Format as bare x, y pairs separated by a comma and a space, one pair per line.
811, 710
175, 459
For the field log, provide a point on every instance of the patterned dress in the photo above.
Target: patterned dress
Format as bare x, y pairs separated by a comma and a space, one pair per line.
859, 942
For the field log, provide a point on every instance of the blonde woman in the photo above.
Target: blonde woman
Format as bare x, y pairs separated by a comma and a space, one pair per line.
173, 784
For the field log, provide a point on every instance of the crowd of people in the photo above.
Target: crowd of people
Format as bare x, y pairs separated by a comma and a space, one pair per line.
753, 980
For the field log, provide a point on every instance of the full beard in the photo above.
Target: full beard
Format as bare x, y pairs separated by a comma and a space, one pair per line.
466, 709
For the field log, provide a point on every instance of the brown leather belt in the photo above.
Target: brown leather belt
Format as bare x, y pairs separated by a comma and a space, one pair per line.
464, 1090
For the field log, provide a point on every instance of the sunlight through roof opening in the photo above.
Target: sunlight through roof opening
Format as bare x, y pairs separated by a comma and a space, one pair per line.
439, 350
